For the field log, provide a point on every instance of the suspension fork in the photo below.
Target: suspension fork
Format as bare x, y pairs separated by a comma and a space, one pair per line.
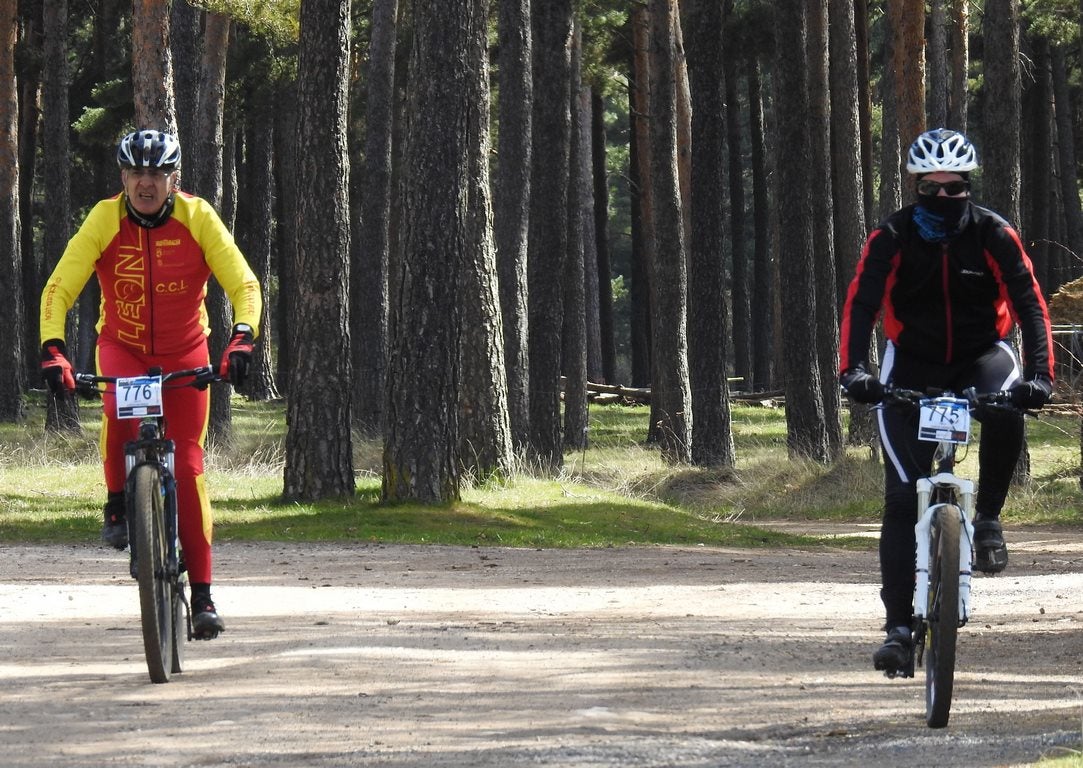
964, 494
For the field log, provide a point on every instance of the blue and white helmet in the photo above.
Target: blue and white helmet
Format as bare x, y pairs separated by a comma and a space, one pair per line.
941, 150
149, 149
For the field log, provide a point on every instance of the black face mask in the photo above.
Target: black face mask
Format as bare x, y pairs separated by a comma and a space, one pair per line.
952, 209
948, 216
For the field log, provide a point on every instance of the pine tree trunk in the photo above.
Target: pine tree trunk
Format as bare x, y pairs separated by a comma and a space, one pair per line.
601, 235
574, 330
485, 446
63, 413
823, 212
960, 64
763, 269
670, 394
712, 440
255, 225
368, 310
152, 67
12, 379
319, 447
805, 434
548, 242
511, 206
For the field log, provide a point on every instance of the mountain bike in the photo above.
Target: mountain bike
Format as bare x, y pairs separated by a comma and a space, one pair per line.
945, 541
157, 562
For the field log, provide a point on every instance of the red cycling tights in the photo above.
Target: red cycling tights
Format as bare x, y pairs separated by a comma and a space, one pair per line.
186, 410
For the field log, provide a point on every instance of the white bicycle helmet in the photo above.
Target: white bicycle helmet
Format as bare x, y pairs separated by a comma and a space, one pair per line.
941, 150
149, 149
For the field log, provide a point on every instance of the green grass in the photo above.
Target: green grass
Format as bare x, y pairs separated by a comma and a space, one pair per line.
617, 492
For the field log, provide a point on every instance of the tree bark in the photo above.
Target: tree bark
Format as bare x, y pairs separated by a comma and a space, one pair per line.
12, 378
642, 203
368, 311
440, 216
287, 204
671, 396
205, 171
62, 413
319, 447
864, 105
892, 146
960, 64
823, 213
511, 206
848, 183
255, 228
601, 235
186, 48
1001, 113
805, 426
28, 77
907, 18
939, 72
763, 267
591, 290
739, 288
152, 67
1038, 165
574, 327
1001, 172
485, 446
712, 439
551, 24
1069, 174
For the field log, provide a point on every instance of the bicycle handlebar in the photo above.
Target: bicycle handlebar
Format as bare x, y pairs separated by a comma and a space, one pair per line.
1002, 399
201, 377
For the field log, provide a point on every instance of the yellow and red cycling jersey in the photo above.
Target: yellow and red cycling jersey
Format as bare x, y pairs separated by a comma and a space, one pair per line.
153, 281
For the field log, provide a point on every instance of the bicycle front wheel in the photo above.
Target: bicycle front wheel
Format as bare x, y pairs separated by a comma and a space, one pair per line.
156, 606
943, 614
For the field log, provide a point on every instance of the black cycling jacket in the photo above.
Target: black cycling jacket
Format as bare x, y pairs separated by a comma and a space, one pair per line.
946, 302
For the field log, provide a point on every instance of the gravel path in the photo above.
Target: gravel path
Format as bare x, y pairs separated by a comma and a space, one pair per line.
446, 656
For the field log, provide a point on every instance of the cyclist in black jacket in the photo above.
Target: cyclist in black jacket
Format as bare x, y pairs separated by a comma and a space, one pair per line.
950, 279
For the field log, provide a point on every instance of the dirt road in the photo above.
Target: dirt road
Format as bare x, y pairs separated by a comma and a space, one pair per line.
440, 656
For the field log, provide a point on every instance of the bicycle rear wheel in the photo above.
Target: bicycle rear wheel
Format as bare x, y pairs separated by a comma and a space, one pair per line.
943, 614
156, 606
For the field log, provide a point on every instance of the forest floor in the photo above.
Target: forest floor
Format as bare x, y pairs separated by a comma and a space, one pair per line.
339, 655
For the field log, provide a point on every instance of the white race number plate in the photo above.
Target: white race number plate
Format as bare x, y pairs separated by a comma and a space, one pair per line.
944, 419
139, 396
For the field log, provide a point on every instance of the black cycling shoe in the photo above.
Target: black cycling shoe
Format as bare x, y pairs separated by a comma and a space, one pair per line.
990, 551
895, 657
206, 623
115, 528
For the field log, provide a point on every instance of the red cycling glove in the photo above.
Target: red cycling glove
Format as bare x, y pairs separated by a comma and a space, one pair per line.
237, 356
56, 368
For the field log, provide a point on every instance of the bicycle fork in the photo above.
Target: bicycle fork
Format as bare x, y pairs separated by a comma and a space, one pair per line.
927, 513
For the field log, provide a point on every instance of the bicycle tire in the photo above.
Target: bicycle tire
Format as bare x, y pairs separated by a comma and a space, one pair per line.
156, 606
943, 614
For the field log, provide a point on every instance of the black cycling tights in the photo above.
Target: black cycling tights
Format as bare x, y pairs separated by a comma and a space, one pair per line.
906, 458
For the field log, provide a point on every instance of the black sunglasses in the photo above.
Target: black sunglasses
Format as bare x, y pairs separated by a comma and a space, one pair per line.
952, 188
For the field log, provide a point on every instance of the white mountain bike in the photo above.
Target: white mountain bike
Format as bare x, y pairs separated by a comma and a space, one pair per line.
945, 541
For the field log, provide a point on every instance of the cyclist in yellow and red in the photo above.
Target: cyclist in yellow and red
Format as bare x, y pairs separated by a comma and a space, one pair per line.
153, 249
